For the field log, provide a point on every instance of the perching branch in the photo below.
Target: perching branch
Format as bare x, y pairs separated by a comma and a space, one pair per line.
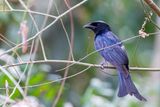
153, 6
80, 63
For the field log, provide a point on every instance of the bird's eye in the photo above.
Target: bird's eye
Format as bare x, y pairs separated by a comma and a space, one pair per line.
95, 24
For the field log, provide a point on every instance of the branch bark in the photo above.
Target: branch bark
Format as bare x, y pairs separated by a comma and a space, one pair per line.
153, 6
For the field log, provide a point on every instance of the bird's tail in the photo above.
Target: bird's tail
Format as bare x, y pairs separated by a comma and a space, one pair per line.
126, 86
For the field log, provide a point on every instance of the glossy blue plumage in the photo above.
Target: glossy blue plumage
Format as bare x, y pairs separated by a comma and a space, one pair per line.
113, 51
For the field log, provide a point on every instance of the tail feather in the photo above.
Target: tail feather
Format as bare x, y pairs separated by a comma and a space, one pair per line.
122, 87
126, 86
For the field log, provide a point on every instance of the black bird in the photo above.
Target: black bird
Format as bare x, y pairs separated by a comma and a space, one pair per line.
113, 51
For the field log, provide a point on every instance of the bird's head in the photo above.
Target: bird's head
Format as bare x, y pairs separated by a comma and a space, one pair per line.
98, 26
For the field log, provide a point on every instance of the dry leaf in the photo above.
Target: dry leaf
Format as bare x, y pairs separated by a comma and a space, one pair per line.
23, 31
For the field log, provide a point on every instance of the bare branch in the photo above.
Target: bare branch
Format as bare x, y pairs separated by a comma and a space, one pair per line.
10, 7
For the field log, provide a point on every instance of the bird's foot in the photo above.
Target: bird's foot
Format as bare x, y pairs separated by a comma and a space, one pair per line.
103, 65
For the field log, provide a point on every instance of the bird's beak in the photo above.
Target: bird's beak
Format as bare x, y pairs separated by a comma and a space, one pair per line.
89, 26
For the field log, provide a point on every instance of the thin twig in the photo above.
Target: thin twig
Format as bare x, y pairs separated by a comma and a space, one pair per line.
10, 7
50, 3
70, 56
7, 40
17, 85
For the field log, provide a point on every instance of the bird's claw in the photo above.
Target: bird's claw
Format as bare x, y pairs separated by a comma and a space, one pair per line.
102, 65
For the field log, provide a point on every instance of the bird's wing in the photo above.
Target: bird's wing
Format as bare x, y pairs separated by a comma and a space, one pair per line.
109, 47
116, 55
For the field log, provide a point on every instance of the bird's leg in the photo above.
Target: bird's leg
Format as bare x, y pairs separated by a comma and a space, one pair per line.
103, 64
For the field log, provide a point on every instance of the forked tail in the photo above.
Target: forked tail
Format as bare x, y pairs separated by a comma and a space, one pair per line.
126, 86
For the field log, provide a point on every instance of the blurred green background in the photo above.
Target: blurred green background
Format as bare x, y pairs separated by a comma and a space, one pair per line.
92, 88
